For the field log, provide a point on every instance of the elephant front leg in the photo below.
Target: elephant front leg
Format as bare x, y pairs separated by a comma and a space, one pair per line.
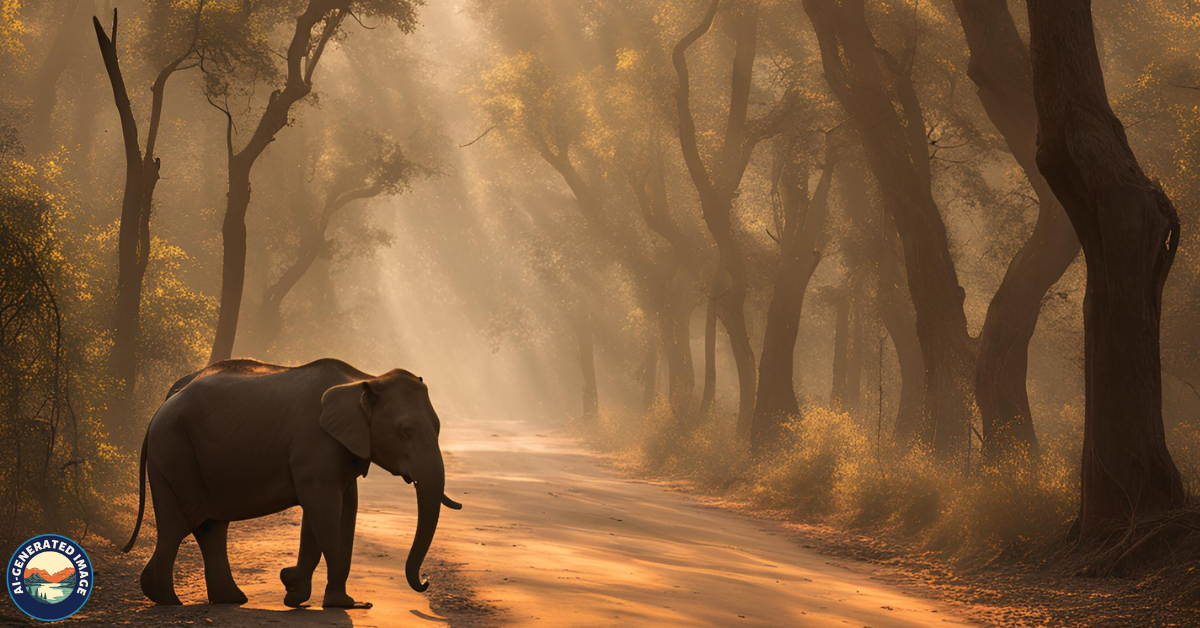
212, 537
332, 511
298, 579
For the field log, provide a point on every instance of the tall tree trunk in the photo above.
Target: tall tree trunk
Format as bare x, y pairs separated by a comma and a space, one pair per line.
896, 150
718, 188
802, 226
585, 341
133, 241
233, 260
301, 63
999, 67
1129, 231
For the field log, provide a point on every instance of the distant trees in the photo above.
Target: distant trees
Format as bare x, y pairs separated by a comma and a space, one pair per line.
717, 183
1129, 231
800, 226
303, 55
375, 167
894, 141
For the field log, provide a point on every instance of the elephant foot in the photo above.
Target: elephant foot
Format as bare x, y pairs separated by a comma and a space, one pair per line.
299, 588
339, 599
230, 596
156, 593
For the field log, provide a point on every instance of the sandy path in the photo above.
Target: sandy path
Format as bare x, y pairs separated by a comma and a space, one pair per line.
553, 539
547, 538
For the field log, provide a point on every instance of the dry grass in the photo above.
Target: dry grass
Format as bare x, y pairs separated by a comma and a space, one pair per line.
830, 469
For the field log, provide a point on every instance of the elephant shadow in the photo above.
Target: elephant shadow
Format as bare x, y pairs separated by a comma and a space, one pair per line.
230, 615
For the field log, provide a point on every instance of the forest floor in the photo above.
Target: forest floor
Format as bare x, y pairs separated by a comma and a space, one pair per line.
552, 535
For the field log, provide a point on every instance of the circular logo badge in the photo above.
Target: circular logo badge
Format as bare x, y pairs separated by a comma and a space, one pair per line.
50, 577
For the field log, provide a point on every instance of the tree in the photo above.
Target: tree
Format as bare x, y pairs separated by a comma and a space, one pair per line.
377, 168
800, 227
141, 178
717, 183
999, 67
302, 58
1129, 231
895, 145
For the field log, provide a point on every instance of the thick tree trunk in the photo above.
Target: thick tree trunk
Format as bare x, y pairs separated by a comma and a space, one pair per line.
999, 67
585, 342
233, 261
802, 226
1129, 231
896, 150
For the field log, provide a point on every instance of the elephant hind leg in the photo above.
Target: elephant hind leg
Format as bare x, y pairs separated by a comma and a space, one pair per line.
212, 537
158, 578
298, 579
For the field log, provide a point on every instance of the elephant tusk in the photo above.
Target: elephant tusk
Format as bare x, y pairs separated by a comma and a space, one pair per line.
450, 503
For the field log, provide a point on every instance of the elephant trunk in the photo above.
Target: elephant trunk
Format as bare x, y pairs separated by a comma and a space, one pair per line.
429, 507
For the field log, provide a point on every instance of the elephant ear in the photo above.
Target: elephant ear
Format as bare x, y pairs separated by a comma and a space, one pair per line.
346, 416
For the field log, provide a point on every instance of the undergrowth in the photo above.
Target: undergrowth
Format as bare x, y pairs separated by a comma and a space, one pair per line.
830, 469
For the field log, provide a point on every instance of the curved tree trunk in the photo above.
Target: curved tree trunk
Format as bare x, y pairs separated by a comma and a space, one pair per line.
718, 188
1129, 231
999, 67
301, 63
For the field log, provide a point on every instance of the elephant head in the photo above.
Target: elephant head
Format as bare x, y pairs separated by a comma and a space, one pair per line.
390, 421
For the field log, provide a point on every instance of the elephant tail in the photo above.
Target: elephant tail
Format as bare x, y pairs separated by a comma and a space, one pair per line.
141, 496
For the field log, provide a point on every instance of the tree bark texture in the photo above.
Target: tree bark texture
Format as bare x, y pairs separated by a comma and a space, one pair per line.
1129, 231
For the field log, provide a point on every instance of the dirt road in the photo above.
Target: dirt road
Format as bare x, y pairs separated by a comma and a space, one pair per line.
547, 537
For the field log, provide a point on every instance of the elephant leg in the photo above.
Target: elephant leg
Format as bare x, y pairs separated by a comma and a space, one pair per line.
212, 537
323, 508
158, 579
298, 579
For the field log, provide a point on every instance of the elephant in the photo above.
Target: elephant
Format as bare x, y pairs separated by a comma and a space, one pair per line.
242, 439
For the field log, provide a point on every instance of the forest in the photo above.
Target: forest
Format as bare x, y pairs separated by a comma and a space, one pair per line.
915, 280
